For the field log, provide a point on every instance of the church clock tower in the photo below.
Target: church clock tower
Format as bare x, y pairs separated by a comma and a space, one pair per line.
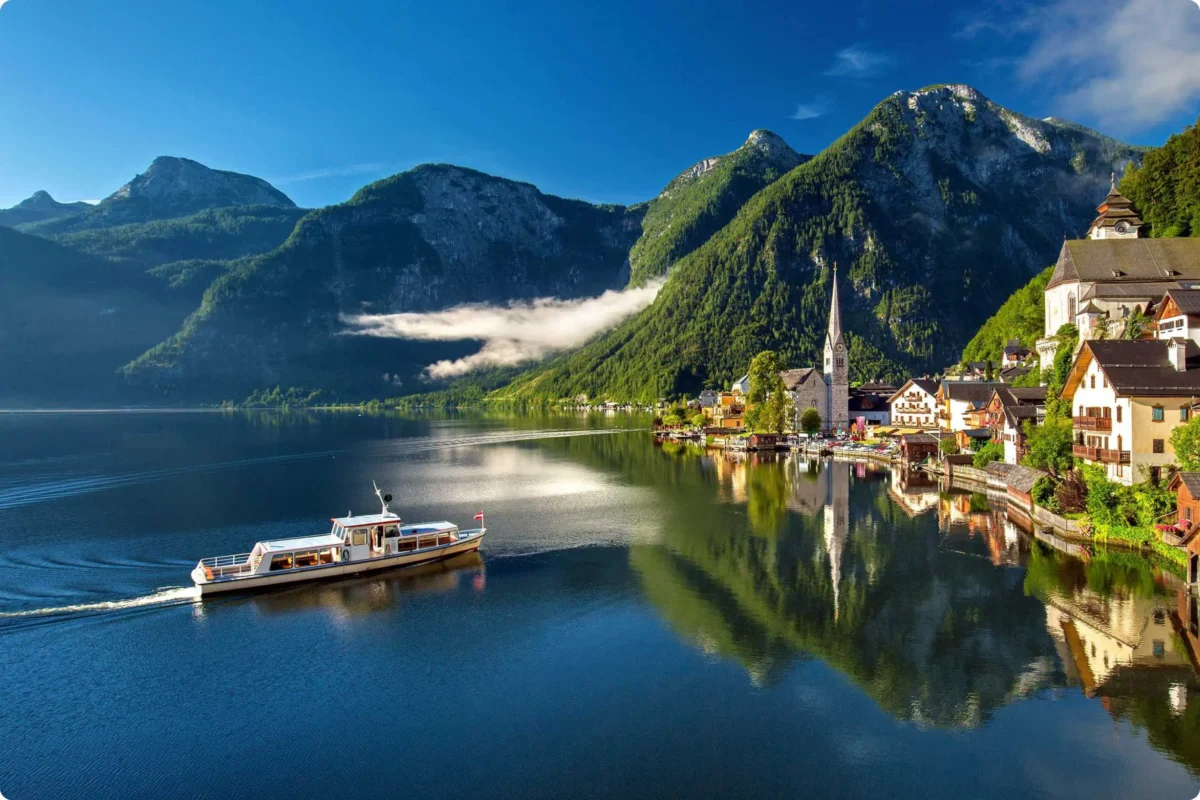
837, 367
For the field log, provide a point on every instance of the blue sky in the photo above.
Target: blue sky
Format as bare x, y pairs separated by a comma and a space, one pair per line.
602, 101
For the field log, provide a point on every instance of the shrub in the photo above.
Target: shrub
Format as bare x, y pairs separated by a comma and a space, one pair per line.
1072, 492
992, 451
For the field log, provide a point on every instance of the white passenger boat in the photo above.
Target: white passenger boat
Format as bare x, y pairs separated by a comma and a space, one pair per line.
354, 545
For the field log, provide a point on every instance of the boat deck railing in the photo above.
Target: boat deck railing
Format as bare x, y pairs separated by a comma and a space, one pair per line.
228, 566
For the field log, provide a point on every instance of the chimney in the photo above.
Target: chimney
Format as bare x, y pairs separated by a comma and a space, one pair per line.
1177, 352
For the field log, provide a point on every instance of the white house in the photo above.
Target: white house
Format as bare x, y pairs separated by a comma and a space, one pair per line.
914, 405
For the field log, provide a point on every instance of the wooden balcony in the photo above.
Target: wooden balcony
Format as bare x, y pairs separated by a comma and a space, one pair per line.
1099, 454
1092, 423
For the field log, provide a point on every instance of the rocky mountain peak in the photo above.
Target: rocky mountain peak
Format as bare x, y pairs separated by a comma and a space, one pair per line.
773, 146
181, 182
39, 199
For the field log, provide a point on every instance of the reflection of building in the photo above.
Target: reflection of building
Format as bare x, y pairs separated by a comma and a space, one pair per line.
837, 525
915, 491
1097, 636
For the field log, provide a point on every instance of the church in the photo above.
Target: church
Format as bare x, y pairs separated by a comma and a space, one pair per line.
828, 389
1101, 280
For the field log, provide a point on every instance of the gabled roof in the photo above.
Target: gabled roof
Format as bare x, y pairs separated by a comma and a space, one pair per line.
1190, 479
1023, 478
795, 377
1010, 374
918, 438
977, 392
1187, 300
1127, 259
1016, 416
1138, 368
926, 385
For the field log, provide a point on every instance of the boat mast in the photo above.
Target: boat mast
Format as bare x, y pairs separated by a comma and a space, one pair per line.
384, 499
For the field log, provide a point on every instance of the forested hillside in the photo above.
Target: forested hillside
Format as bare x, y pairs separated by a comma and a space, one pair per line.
936, 205
703, 199
1166, 189
1023, 317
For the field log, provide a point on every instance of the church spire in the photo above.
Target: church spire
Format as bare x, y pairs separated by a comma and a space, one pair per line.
835, 317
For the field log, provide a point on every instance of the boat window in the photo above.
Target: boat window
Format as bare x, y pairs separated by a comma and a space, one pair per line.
390, 531
444, 538
406, 545
327, 556
427, 541
360, 535
306, 559
281, 562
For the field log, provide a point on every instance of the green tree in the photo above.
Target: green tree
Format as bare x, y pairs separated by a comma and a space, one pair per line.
1135, 325
990, 371
948, 447
1186, 441
672, 420
992, 451
764, 373
777, 409
1049, 445
698, 420
810, 421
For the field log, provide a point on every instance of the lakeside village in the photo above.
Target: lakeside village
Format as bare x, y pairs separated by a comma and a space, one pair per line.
1105, 449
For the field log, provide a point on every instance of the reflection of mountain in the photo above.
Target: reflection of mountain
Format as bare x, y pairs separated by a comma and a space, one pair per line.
852, 580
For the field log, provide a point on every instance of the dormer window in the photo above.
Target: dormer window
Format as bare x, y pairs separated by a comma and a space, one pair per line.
1116, 273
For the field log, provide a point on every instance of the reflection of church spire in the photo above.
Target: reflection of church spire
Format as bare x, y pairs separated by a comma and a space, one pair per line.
837, 504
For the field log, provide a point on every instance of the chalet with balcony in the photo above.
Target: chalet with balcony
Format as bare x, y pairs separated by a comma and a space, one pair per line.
1178, 315
959, 400
1015, 353
1126, 398
1006, 413
914, 405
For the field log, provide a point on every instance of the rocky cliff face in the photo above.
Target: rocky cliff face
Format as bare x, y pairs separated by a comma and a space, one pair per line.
434, 237
38, 208
170, 187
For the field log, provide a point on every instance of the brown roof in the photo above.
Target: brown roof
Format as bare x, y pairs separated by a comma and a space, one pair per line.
1027, 395
1000, 469
1023, 478
1191, 479
1016, 415
970, 391
1188, 300
1127, 259
1010, 374
918, 438
926, 385
1143, 368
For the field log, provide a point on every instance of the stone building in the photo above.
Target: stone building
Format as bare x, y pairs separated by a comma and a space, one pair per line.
827, 390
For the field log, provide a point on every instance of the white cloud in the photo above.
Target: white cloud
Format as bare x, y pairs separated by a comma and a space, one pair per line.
2, 2
817, 108
856, 61
332, 172
511, 334
1126, 64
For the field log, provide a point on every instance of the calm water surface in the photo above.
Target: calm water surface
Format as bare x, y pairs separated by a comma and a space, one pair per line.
641, 622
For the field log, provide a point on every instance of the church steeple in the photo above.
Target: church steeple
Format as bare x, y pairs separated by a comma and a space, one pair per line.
834, 335
1117, 218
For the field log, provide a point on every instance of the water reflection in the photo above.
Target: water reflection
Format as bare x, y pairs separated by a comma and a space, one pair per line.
936, 604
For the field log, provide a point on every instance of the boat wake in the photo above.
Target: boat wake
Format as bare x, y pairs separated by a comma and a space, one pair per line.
170, 596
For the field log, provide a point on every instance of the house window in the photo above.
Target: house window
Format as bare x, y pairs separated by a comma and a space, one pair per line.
1183, 414
1158, 414
1071, 307
1118, 413
1104, 378
1187, 513
1158, 445
1093, 381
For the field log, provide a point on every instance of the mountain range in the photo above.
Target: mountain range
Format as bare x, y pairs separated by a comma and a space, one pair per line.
935, 207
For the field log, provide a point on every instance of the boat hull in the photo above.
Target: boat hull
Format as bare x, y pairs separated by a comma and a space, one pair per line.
255, 582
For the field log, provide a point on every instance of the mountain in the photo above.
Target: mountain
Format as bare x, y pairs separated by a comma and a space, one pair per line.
701, 200
170, 187
936, 206
39, 208
69, 320
211, 234
427, 239
1166, 189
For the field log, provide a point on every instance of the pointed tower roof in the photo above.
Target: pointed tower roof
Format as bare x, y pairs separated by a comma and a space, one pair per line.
1115, 208
835, 316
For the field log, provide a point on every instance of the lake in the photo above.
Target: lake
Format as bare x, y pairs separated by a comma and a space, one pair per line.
641, 621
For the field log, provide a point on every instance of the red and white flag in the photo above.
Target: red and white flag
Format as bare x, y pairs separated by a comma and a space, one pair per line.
479, 516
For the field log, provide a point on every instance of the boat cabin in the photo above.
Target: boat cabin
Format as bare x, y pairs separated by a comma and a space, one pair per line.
371, 535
